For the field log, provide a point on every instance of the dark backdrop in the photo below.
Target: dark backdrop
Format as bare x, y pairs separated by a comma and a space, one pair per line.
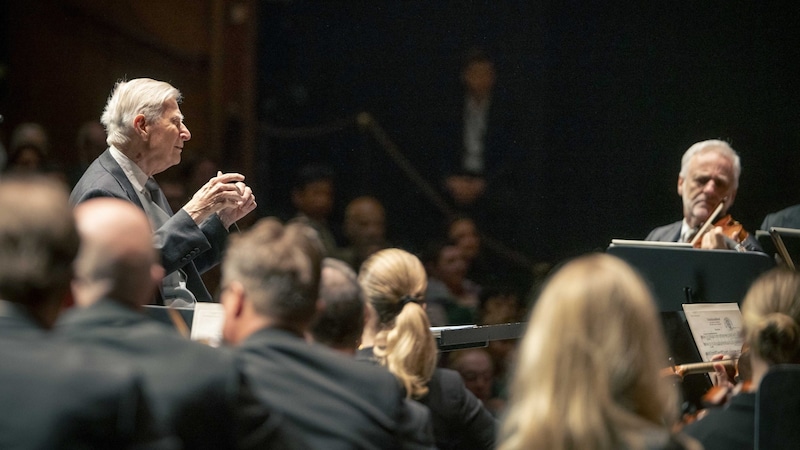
609, 97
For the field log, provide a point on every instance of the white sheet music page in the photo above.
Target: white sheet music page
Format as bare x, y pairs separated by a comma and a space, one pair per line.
207, 323
716, 328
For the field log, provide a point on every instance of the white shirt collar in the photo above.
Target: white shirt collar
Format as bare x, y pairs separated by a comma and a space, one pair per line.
135, 174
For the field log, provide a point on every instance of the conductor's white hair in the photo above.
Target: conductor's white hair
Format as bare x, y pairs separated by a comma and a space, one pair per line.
131, 98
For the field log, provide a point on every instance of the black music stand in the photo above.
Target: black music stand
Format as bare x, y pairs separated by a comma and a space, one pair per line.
686, 275
679, 275
786, 245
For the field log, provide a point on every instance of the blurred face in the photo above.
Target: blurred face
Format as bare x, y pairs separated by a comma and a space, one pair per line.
165, 139
366, 225
476, 369
465, 235
479, 78
450, 267
315, 200
709, 179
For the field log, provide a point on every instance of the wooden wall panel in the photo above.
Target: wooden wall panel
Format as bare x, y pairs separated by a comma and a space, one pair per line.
65, 56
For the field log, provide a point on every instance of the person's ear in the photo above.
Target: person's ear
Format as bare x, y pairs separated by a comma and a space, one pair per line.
140, 126
680, 185
232, 298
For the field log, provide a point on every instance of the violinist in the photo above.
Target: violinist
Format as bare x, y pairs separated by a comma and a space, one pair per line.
771, 325
709, 177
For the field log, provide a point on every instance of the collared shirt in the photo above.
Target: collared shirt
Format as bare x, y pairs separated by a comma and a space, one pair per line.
135, 174
475, 118
687, 232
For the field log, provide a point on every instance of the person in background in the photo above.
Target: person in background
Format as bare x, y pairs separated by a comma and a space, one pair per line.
365, 230
313, 197
452, 298
588, 369
709, 174
476, 368
398, 336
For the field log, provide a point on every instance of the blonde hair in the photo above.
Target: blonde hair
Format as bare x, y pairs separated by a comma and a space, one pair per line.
771, 316
394, 283
587, 374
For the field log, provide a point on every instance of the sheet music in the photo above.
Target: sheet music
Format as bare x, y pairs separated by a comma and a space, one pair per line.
207, 323
716, 328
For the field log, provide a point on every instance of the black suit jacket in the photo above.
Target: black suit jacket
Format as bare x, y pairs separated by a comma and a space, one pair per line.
182, 244
57, 396
672, 233
460, 420
786, 218
197, 392
337, 402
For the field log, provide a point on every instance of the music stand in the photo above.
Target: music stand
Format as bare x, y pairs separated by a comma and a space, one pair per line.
787, 245
678, 275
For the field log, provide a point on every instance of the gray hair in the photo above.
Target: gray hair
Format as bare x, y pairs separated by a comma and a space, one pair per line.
131, 98
716, 145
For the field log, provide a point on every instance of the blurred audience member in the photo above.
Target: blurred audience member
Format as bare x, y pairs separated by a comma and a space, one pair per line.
588, 371
451, 298
54, 396
313, 197
196, 391
477, 370
365, 230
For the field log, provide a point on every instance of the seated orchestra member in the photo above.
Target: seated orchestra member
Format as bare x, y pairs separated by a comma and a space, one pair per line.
146, 136
785, 218
771, 326
587, 371
270, 279
196, 391
709, 175
54, 395
398, 336
340, 320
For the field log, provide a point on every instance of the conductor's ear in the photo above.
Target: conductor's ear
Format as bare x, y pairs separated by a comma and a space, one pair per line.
140, 126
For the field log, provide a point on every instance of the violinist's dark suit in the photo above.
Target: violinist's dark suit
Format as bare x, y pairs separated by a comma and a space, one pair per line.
196, 391
672, 233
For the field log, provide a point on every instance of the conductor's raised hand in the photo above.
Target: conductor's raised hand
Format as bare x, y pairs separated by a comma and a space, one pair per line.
221, 192
246, 204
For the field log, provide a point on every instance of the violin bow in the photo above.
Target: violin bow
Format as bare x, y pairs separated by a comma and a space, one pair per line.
709, 222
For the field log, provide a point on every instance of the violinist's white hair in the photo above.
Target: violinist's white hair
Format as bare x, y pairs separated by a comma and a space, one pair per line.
716, 145
588, 368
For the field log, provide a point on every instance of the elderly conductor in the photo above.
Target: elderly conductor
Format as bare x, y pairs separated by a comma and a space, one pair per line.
146, 135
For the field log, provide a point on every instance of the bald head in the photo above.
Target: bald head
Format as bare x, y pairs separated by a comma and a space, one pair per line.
117, 258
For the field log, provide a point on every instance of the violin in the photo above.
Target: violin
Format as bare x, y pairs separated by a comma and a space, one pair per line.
732, 230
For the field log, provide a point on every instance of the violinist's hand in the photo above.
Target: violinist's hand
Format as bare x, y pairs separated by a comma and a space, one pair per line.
715, 238
720, 376
220, 193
